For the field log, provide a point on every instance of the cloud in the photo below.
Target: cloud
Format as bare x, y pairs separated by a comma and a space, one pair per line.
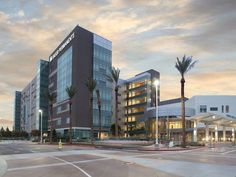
21, 13
145, 35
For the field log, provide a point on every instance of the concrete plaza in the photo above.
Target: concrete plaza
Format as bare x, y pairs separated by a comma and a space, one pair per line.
82, 161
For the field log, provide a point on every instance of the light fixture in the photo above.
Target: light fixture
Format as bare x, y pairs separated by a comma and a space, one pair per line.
156, 82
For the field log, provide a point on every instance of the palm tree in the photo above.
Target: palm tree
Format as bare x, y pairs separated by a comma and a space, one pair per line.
114, 77
51, 98
71, 91
183, 67
91, 85
99, 112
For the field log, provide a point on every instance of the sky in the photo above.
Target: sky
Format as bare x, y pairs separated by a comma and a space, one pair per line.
145, 34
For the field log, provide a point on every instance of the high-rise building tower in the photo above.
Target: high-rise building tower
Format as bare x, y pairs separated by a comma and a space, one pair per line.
33, 99
80, 56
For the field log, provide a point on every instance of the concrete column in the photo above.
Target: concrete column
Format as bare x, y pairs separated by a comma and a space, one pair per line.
216, 133
224, 133
233, 135
207, 132
195, 131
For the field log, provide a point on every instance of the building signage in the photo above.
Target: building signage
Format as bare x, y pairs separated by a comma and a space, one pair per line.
62, 47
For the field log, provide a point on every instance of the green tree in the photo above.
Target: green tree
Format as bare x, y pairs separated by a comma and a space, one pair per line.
112, 130
91, 85
71, 91
114, 78
51, 98
183, 66
8, 132
54, 135
2, 132
33, 133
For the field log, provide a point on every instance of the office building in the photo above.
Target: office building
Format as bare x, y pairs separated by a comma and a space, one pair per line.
80, 56
137, 96
34, 98
17, 110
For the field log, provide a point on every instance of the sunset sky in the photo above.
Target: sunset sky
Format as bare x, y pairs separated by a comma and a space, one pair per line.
146, 34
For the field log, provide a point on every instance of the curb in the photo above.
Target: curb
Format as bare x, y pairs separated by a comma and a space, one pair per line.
3, 167
179, 149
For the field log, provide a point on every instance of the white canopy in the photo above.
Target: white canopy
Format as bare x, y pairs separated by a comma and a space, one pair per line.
214, 119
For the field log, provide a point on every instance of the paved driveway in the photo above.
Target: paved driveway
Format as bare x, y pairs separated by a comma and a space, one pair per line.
84, 162
76, 165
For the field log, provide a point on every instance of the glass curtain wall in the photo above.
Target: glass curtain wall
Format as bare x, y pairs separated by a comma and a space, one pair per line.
102, 55
64, 74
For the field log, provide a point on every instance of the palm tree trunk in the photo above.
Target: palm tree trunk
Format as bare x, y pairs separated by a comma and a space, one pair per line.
91, 118
70, 124
51, 124
116, 125
100, 121
183, 112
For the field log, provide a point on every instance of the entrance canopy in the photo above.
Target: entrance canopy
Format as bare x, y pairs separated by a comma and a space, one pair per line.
214, 119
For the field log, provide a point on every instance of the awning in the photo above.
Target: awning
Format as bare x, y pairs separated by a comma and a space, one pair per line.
214, 119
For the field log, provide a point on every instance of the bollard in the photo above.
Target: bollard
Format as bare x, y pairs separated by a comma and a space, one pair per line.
60, 145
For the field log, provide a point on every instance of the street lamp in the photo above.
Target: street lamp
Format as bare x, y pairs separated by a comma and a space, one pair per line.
41, 123
156, 83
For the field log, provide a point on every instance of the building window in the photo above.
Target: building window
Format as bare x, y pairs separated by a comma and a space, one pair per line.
58, 109
222, 108
175, 125
64, 74
58, 122
213, 109
227, 108
67, 120
203, 108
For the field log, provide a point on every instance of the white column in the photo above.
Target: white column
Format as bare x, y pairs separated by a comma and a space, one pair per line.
207, 132
216, 133
195, 131
224, 133
233, 135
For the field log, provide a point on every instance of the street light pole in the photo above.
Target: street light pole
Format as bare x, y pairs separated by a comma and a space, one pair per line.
156, 83
41, 123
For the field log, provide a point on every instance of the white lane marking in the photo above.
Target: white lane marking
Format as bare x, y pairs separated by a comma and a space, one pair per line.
227, 152
69, 163
55, 164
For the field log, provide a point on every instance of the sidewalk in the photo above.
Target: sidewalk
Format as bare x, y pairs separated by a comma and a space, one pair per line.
3, 166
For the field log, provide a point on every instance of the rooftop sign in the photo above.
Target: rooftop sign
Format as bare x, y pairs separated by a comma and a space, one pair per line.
62, 47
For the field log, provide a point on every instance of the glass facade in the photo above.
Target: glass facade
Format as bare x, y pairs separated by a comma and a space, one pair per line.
102, 56
64, 74
17, 111
41, 98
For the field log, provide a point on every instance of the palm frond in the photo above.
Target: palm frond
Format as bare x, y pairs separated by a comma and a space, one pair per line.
71, 91
91, 84
185, 65
109, 78
51, 96
114, 75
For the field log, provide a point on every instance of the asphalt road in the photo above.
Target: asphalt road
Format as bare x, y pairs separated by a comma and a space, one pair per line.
88, 162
